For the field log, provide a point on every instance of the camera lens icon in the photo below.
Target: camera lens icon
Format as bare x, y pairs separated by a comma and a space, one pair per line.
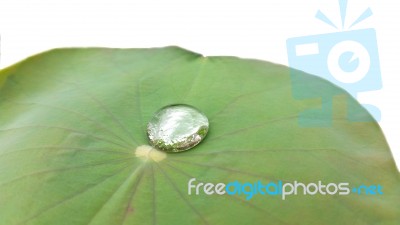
348, 59
349, 62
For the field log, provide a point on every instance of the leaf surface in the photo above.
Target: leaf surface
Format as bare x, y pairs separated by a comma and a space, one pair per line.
71, 120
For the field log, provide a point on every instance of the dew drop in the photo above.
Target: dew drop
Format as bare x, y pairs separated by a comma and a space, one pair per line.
177, 128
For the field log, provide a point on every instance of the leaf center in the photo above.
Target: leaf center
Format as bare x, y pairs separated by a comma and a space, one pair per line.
146, 152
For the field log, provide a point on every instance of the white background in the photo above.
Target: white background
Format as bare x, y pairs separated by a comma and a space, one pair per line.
250, 29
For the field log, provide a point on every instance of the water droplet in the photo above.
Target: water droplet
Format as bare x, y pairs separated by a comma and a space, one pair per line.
177, 128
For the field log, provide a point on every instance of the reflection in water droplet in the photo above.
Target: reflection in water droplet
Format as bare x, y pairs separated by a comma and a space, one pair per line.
177, 128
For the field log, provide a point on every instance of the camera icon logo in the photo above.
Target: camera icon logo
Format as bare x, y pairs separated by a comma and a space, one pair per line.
349, 59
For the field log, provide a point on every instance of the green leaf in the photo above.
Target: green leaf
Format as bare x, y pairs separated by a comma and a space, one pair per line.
72, 119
